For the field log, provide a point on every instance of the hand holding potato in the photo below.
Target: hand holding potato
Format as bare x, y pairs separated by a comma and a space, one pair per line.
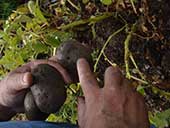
48, 90
114, 106
14, 87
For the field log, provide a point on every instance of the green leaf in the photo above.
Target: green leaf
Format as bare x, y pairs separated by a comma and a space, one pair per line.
22, 9
85, 1
160, 119
161, 92
53, 40
31, 7
73, 88
11, 27
62, 36
141, 89
52, 118
11, 60
39, 47
13, 42
1, 34
20, 32
33, 25
35, 10
106, 2
22, 18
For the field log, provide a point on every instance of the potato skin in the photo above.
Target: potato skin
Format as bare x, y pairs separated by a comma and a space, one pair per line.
31, 110
48, 88
48, 91
69, 52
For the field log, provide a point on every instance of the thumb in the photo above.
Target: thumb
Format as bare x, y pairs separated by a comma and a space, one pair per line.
81, 111
19, 81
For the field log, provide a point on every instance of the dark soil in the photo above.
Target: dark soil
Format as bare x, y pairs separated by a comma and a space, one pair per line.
150, 44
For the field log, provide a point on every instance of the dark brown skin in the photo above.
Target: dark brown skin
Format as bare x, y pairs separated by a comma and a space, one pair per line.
48, 88
116, 105
31, 110
69, 52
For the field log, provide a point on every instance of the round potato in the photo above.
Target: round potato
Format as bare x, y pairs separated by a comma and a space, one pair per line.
48, 88
31, 110
69, 52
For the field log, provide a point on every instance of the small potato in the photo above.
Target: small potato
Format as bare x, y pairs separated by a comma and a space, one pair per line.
31, 110
69, 52
48, 88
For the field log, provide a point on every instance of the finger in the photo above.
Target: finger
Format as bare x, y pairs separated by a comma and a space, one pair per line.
57, 66
81, 110
87, 80
53, 58
113, 77
19, 81
63, 72
22, 69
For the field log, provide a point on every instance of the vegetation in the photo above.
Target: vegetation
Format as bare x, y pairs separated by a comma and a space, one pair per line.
128, 33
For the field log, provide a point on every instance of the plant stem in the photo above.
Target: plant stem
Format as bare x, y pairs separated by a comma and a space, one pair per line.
106, 43
137, 68
106, 58
54, 51
73, 5
161, 92
93, 30
137, 79
133, 6
127, 52
85, 21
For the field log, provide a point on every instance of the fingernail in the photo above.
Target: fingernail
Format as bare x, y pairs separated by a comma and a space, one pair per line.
80, 60
27, 78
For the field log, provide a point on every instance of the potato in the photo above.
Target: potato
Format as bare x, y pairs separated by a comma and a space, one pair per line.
31, 110
69, 52
48, 88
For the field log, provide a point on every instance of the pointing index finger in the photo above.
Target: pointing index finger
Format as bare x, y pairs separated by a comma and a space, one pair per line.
87, 80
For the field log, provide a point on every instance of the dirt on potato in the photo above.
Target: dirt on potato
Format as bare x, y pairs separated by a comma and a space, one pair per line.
48, 88
69, 52
31, 110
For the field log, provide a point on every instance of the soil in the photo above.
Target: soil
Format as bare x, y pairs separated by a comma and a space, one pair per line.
150, 44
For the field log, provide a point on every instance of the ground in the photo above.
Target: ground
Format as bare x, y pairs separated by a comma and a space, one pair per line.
149, 46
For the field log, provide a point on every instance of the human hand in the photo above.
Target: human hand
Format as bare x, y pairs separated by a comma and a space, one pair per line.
116, 105
15, 85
